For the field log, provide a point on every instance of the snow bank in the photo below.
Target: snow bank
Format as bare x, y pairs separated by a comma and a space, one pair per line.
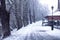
55, 33
24, 32
55, 14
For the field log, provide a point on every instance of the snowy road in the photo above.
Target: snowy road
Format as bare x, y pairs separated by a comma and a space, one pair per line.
36, 35
35, 32
40, 36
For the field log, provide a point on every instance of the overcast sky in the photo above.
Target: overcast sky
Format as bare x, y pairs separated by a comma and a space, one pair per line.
49, 3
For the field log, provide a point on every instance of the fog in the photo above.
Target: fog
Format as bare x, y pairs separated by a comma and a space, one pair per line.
49, 3
40, 8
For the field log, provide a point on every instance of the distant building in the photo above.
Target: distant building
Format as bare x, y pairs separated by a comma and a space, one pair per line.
56, 16
55, 19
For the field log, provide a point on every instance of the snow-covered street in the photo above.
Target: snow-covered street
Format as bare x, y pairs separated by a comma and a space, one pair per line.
35, 31
29, 19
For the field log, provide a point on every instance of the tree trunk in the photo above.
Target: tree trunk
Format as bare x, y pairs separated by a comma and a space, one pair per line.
25, 13
30, 16
33, 16
18, 14
33, 12
5, 17
5, 24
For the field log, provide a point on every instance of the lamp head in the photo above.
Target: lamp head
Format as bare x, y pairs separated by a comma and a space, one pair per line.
52, 7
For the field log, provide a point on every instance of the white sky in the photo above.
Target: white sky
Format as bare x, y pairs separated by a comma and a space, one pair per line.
49, 3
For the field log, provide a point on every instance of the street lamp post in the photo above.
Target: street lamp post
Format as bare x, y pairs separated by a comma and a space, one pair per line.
52, 18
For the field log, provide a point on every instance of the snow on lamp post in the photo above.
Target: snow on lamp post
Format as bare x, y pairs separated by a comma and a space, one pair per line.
52, 18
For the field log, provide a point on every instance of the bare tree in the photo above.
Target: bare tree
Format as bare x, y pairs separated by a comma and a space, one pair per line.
30, 16
33, 16
25, 13
18, 14
10, 6
5, 17
33, 11
15, 7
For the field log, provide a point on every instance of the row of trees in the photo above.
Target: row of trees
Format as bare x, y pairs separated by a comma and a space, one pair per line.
22, 12
18, 13
15, 14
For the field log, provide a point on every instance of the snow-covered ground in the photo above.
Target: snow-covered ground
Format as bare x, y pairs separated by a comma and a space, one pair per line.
35, 31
